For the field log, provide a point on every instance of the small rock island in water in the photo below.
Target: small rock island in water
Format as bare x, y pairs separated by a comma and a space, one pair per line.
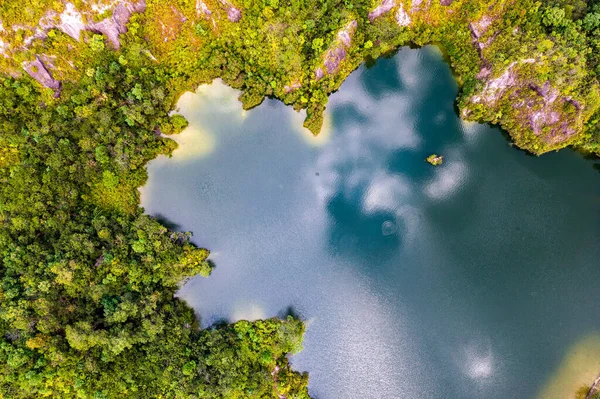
435, 160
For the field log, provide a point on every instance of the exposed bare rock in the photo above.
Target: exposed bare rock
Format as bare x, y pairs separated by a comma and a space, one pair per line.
3, 48
594, 389
319, 73
345, 35
574, 103
478, 28
402, 17
383, 8
337, 53
546, 91
233, 14
71, 22
418, 5
37, 70
117, 24
544, 111
202, 9
495, 88
446, 2
536, 108
333, 59
291, 87
485, 71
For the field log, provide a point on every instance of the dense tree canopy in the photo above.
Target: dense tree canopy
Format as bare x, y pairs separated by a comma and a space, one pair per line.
86, 279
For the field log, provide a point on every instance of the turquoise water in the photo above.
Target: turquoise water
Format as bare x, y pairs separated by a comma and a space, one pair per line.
469, 280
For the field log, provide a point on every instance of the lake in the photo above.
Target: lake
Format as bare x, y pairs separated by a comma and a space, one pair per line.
474, 279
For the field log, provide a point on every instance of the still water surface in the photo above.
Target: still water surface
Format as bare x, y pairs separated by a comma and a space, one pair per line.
475, 279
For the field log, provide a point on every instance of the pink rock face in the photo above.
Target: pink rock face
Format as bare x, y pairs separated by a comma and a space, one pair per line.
446, 2
290, 88
37, 70
402, 17
319, 74
117, 24
335, 55
383, 8
333, 59
345, 35
233, 14
71, 22
202, 8
478, 28
547, 114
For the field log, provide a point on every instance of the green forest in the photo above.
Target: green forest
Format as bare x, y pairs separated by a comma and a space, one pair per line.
87, 280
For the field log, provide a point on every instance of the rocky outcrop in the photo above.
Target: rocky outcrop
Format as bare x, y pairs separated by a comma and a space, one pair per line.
545, 112
117, 24
594, 389
420, 6
495, 88
71, 22
291, 87
37, 70
537, 108
233, 14
402, 17
319, 74
338, 51
202, 10
383, 8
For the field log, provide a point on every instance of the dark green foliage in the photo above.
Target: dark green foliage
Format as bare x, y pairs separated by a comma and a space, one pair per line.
86, 279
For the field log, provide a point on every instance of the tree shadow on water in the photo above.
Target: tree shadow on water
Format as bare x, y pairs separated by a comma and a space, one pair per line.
169, 224
290, 311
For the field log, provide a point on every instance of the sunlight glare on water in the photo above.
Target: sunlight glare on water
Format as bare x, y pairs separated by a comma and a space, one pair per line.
468, 280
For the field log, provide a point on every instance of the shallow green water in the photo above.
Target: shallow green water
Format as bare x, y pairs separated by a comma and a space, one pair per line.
469, 280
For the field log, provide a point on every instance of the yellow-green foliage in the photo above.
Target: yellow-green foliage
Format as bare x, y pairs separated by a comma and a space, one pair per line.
276, 47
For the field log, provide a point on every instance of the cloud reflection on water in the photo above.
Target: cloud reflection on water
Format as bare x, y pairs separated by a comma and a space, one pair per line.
311, 227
